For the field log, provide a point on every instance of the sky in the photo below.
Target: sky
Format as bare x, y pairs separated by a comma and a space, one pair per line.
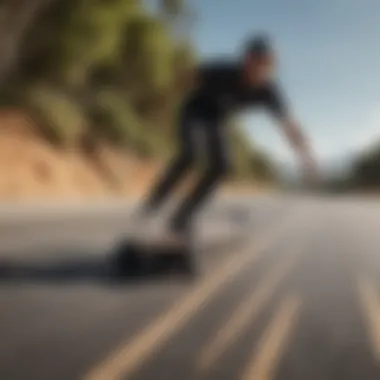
329, 65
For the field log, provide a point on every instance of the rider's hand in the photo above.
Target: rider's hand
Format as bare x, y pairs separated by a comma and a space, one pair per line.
309, 167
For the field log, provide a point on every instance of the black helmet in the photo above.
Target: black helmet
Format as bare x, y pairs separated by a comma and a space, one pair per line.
258, 45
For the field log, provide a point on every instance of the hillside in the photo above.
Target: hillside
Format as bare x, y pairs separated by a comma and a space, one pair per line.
32, 169
88, 97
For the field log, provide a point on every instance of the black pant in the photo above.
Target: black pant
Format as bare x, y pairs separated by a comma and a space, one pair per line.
193, 124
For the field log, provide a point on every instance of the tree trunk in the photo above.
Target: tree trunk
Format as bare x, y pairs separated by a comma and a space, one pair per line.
16, 16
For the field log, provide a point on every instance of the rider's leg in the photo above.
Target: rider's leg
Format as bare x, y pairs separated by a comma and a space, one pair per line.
176, 169
217, 169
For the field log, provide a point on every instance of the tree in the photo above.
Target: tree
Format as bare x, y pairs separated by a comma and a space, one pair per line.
15, 20
172, 8
179, 16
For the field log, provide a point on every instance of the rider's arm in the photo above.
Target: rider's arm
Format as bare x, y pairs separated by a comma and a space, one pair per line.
291, 128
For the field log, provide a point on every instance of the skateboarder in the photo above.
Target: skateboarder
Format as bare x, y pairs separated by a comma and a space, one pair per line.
222, 87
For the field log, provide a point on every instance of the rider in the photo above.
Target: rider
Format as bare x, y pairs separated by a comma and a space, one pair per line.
223, 87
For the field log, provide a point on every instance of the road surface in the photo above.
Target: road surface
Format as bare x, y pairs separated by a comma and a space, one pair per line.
295, 297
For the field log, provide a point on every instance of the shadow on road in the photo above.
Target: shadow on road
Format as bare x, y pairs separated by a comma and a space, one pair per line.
70, 265
82, 268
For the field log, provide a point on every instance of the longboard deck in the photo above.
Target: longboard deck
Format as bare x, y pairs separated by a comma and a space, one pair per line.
133, 258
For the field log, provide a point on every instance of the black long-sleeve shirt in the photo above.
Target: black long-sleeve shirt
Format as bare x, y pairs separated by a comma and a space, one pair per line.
220, 90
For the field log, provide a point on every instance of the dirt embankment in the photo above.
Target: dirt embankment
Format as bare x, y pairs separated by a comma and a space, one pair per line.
33, 170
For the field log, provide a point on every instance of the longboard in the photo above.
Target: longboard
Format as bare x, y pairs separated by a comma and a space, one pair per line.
135, 257
144, 248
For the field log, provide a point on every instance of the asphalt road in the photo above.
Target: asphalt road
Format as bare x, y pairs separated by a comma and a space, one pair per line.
289, 289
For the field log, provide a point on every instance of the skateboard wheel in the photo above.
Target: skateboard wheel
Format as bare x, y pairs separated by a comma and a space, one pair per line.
127, 261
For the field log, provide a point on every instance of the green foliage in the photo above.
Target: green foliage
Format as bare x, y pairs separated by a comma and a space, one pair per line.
262, 167
147, 55
61, 119
93, 36
366, 169
248, 161
113, 118
111, 69
240, 154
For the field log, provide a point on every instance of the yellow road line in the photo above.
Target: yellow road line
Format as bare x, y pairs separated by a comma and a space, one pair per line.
248, 310
271, 347
371, 306
130, 355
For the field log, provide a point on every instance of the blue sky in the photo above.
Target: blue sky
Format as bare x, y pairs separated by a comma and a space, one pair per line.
329, 55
